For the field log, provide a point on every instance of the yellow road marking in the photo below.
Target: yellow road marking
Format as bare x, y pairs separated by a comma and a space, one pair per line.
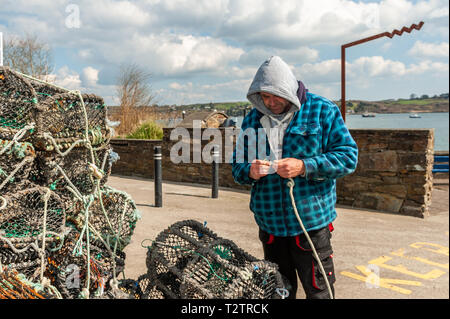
441, 249
381, 262
401, 253
375, 280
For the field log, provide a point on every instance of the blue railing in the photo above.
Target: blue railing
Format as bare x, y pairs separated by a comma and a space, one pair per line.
440, 168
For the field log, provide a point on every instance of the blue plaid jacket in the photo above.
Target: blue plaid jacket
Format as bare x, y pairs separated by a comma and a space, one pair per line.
317, 135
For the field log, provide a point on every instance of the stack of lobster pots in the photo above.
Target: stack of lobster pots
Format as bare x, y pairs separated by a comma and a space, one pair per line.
59, 222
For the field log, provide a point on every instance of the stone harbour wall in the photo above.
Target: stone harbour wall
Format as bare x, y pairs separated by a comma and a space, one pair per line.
394, 172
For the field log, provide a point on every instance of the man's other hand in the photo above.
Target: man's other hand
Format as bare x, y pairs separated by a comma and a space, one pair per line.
290, 167
259, 169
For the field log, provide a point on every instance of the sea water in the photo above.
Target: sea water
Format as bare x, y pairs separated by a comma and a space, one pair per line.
438, 121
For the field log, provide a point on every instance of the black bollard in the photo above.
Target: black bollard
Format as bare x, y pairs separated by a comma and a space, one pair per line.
215, 173
157, 157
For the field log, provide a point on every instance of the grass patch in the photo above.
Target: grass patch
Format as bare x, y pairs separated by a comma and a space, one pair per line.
147, 131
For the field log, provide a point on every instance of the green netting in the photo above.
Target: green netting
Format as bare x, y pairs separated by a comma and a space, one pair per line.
55, 212
189, 261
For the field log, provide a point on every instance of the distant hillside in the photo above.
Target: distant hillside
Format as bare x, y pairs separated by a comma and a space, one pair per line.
398, 106
424, 105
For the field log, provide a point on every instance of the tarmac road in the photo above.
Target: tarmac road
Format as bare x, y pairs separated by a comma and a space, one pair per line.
377, 255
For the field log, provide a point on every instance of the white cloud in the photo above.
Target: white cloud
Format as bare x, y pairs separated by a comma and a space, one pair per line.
297, 55
221, 42
376, 66
66, 78
90, 76
428, 66
365, 67
171, 55
425, 49
323, 71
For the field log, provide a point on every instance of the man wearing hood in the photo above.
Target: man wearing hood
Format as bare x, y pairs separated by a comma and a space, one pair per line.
307, 140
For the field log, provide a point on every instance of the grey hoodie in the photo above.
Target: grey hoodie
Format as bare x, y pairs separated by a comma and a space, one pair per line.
275, 77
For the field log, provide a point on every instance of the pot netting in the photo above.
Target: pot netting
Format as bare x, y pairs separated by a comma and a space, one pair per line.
61, 121
72, 170
56, 214
14, 285
68, 269
28, 214
17, 100
187, 260
16, 160
25, 261
113, 215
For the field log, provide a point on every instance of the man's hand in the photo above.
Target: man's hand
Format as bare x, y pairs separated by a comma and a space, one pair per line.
290, 167
259, 169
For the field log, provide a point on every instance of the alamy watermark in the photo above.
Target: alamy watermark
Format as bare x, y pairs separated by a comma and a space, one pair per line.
373, 280
255, 141
73, 20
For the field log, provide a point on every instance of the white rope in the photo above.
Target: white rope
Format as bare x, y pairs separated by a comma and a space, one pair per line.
291, 185
18, 136
4, 201
11, 175
44, 229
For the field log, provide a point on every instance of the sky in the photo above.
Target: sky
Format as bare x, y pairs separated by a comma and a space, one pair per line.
209, 50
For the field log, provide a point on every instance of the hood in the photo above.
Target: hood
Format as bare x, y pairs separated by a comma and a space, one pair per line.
275, 77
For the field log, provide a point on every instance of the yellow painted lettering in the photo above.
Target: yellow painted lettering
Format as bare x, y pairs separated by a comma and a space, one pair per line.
401, 253
440, 249
381, 262
372, 279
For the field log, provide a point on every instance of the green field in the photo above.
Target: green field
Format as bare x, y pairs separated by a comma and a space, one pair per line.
417, 102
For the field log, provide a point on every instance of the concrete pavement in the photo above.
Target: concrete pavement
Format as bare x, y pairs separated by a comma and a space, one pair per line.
377, 255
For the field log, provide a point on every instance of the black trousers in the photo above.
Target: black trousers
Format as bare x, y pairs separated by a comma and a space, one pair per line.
294, 256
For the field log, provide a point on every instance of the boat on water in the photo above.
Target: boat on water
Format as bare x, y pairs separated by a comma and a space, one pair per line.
368, 115
414, 116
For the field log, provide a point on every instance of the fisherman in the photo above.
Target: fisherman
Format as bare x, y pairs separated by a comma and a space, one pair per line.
307, 140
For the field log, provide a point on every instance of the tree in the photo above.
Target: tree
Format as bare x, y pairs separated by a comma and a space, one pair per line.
135, 96
412, 96
29, 55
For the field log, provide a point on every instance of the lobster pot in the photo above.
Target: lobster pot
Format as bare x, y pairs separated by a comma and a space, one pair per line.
213, 269
145, 290
76, 168
25, 214
67, 267
15, 285
189, 261
44, 90
27, 261
114, 217
17, 101
64, 116
16, 160
258, 280
170, 253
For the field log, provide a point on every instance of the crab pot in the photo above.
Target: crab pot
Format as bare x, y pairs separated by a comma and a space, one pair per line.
223, 270
117, 227
75, 166
63, 116
189, 261
171, 252
14, 156
14, 285
25, 262
67, 268
17, 101
22, 219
